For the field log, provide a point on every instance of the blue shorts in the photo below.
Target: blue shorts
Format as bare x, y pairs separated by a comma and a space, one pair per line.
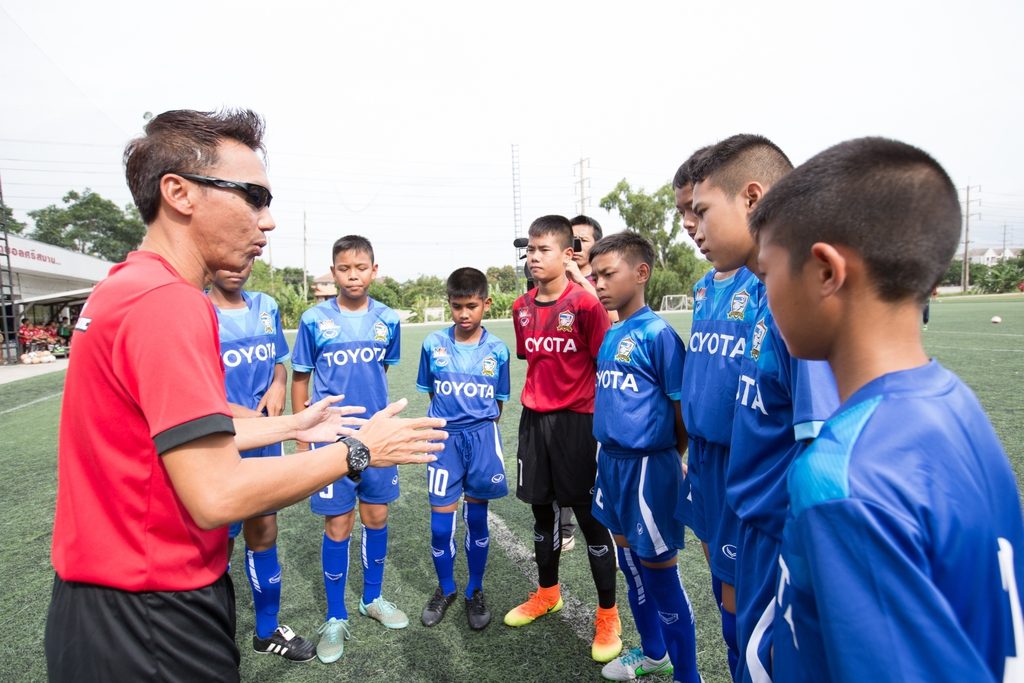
636, 497
756, 584
378, 485
471, 461
711, 518
271, 451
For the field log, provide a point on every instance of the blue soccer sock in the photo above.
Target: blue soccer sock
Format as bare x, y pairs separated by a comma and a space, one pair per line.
375, 548
264, 574
732, 645
676, 616
645, 614
478, 540
334, 555
442, 547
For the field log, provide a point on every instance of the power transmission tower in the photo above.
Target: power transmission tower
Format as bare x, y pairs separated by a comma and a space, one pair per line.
583, 184
965, 276
517, 210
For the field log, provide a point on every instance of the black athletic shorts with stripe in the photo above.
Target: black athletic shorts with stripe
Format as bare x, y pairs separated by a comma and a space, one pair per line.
97, 633
557, 458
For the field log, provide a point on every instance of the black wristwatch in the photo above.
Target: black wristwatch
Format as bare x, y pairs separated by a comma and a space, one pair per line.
358, 457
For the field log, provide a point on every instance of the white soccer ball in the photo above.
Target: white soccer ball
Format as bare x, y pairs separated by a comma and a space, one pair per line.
996, 320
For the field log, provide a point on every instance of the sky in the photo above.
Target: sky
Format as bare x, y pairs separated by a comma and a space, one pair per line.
397, 120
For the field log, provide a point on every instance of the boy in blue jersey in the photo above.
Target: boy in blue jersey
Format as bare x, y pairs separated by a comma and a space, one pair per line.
904, 545
347, 343
724, 304
641, 437
253, 350
465, 370
781, 402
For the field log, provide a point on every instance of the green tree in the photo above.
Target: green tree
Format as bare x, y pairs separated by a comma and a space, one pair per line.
91, 225
1005, 276
954, 274
388, 291
501, 279
11, 224
654, 216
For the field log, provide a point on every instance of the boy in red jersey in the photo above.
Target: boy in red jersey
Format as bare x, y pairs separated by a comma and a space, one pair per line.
559, 329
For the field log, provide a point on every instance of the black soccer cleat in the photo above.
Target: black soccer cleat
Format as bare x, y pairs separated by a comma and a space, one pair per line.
476, 611
438, 604
285, 643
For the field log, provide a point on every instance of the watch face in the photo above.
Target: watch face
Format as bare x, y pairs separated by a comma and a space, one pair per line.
358, 455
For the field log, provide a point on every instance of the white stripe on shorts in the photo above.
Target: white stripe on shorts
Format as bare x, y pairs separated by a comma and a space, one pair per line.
645, 511
755, 667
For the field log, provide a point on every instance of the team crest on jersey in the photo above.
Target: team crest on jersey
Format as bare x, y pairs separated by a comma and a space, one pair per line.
489, 367
760, 330
268, 322
701, 294
440, 355
738, 305
380, 332
565, 320
328, 328
625, 351
524, 317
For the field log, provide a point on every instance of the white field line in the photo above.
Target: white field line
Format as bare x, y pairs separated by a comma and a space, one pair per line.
976, 334
574, 612
32, 402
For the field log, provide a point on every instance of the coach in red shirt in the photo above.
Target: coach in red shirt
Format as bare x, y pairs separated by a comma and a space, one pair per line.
148, 467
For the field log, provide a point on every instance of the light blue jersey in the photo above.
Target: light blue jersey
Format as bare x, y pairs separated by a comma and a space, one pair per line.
347, 352
724, 312
904, 548
252, 343
639, 377
466, 380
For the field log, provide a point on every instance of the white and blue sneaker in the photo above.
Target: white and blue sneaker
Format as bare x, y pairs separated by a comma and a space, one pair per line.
634, 664
333, 635
385, 612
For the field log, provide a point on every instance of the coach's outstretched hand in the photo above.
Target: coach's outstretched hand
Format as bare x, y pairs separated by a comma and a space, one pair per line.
396, 440
324, 421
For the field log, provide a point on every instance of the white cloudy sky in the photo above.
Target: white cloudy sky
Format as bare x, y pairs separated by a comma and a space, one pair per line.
396, 120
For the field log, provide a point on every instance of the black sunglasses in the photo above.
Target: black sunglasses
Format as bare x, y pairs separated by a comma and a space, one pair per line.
257, 195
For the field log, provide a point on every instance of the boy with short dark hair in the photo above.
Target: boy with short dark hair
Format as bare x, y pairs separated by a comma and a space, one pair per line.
724, 308
465, 370
559, 327
780, 402
903, 546
641, 437
348, 343
253, 350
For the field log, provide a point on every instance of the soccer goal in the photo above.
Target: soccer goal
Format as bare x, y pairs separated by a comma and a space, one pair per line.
676, 302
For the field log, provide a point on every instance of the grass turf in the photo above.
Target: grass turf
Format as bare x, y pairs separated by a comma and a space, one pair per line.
990, 358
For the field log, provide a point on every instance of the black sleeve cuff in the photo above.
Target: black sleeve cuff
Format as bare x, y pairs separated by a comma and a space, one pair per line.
520, 356
192, 430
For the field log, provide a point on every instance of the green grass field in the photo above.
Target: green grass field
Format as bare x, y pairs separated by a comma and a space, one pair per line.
990, 358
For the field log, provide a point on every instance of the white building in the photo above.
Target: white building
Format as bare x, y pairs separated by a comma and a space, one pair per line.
990, 256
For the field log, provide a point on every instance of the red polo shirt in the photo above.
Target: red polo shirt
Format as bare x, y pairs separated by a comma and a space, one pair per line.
145, 377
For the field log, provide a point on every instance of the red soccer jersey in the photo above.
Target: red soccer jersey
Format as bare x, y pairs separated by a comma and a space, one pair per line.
145, 377
559, 341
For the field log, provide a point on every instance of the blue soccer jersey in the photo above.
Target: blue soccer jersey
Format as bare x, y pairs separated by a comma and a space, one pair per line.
639, 376
904, 545
723, 314
347, 352
780, 401
467, 380
252, 343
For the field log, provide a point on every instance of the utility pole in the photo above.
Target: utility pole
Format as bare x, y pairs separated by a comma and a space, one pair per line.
1004, 243
305, 282
584, 184
965, 276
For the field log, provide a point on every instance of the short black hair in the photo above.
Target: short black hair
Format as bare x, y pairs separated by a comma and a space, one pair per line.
684, 174
553, 225
587, 220
183, 141
466, 282
891, 202
740, 159
352, 243
631, 246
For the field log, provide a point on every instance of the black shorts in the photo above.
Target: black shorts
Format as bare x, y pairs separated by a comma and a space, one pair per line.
557, 458
97, 633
